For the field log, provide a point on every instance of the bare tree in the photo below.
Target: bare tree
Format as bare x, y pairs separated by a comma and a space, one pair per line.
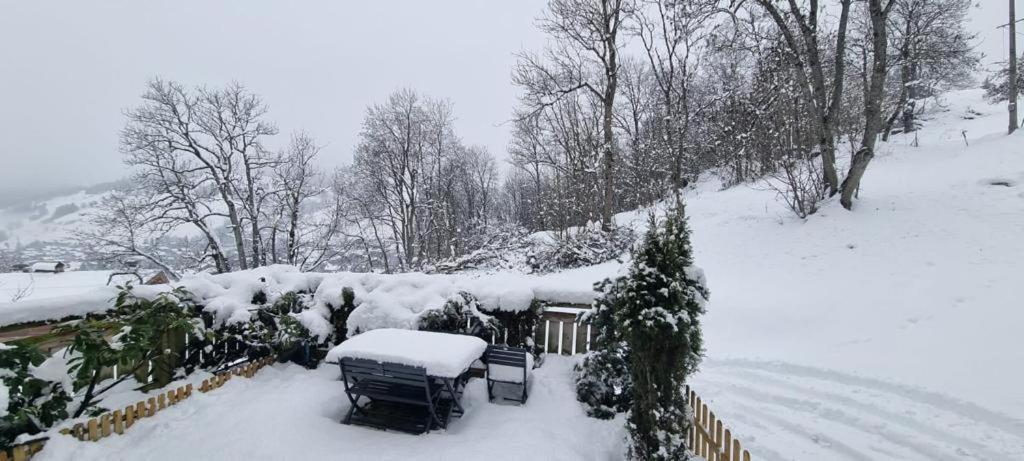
295, 181
932, 52
672, 34
586, 57
209, 140
805, 48
126, 225
878, 12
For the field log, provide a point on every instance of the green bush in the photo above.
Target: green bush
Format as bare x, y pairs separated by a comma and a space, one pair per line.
33, 404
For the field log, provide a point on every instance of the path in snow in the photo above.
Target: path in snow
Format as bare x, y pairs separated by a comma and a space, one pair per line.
783, 411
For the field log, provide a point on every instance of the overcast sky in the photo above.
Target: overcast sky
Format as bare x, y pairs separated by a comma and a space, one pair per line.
68, 69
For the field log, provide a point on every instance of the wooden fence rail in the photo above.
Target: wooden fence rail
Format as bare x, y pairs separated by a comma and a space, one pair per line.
708, 436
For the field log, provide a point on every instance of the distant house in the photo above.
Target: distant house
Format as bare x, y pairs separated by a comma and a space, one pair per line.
20, 267
47, 266
160, 278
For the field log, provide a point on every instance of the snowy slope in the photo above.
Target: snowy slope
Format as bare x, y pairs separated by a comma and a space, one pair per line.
889, 332
47, 220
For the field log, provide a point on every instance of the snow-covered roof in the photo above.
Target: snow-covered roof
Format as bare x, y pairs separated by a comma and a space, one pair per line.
45, 266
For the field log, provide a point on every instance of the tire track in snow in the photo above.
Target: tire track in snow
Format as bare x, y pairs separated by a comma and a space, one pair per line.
767, 387
817, 437
876, 429
1004, 422
823, 400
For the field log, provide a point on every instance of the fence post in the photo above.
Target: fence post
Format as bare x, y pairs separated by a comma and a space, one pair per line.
105, 425
118, 422
94, 430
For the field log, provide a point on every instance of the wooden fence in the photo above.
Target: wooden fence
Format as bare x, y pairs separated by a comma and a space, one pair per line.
562, 334
708, 437
24, 451
117, 421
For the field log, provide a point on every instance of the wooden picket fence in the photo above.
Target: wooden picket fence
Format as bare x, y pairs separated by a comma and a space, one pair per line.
118, 421
708, 437
24, 451
560, 332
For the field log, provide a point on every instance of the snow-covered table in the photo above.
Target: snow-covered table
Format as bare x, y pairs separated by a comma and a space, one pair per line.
444, 355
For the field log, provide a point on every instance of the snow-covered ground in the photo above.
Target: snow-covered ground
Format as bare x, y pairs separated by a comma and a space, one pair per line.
892, 332
45, 285
287, 412
26, 297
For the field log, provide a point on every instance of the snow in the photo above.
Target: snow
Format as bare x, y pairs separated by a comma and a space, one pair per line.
382, 300
55, 296
44, 266
443, 355
5, 399
286, 411
883, 333
888, 332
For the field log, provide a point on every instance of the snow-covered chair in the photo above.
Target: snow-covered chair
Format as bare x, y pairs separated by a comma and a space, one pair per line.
508, 365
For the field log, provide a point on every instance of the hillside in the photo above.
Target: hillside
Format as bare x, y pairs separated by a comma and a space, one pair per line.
888, 332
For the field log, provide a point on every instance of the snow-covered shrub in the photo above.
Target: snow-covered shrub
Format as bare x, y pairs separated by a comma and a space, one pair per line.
339, 312
28, 404
585, 247
657, 309
516, 328
603, 382
461, 314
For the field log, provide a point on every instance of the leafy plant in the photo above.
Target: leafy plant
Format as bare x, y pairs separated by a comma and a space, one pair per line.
133, 337
33, 404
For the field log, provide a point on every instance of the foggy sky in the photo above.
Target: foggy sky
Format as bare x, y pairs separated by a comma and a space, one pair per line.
68, 69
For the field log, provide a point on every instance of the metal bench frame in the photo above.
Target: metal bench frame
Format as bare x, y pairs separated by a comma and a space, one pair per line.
510, 357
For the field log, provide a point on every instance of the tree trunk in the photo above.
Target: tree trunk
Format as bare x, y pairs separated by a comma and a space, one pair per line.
609, 151
236, 227
872, 102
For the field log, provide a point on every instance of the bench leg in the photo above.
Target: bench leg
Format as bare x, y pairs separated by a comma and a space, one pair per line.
351, 411
455, 397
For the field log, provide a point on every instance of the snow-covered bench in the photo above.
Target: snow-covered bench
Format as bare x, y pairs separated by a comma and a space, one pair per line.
508, 365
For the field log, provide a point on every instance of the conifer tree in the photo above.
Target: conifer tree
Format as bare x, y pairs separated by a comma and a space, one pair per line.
662, 298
